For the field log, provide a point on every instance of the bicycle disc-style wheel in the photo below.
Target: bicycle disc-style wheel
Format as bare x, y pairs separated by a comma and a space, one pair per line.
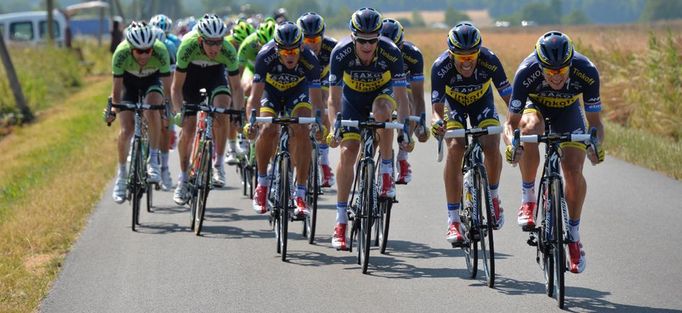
312, 195
559, 250
384, 222
203, 186
368, 203
487, 206
285, 195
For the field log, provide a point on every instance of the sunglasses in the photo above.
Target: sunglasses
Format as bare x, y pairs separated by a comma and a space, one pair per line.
312, 40
465, 57
551, 72
364, 41
143, 51
289, 52
213, 43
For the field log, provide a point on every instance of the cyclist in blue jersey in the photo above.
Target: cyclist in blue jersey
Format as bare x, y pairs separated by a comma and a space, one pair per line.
313, 26
166, 24
461, 79
366, 73
286, 77
548, 84
413, 65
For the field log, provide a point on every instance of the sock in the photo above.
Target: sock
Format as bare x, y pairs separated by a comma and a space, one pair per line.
164, 159
122, 171
386, 166
528, 192
183, 177
573, 229
263, 180
219, 160
493, 190
341, 215
402, 155
324, 154
232, 145
154, 156
453, 213
300, 191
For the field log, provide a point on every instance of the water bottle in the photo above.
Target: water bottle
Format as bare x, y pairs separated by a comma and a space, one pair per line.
468, 185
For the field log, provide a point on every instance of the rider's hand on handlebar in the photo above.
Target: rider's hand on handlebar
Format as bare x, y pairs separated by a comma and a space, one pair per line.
438, 128
108, 116
422, 134
596, 154
513, 155
332, 141
322, 133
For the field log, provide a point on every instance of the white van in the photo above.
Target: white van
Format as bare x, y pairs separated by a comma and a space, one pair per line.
31, 27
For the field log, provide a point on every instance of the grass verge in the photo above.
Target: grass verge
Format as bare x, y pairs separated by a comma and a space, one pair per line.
53, 174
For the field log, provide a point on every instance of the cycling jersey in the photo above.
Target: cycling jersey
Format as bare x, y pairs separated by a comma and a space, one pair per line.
248, 51
203, 72
562, 107
139, 81
172, 52
472, 95
176, 41
413, 62
362, 84
286, 88
328, 44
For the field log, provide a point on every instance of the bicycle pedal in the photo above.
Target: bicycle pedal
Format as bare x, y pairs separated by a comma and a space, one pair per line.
532, 242
528, 228
458, 244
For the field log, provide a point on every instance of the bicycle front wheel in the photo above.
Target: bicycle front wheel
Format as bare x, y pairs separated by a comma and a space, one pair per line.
487, 222
135, 182
384, 221
312, 195
559, 251
367, 210
285, 196
203, 186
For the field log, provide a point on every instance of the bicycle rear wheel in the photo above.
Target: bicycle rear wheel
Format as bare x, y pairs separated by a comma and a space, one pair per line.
559, 251
313, 191
367, 210
385, 207
203, 186
487, 223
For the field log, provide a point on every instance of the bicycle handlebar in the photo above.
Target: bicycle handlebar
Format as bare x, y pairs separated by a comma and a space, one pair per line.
460, 133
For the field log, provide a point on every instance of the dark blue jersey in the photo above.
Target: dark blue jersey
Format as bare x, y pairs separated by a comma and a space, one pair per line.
529, 83
448, 84
281, 82
328, 44
413, 62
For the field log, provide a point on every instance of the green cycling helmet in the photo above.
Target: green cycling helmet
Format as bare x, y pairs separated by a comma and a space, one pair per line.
266, 31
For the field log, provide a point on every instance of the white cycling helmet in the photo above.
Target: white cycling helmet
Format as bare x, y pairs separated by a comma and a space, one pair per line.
162, 21
211, 26
140, 35
159, 33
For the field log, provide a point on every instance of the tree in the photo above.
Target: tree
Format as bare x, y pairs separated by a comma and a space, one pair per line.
417, 19
655, 10
296, 8
541, 13
452, 16
577, 17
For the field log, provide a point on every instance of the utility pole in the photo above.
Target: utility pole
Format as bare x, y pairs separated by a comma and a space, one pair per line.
14, 82
50, 22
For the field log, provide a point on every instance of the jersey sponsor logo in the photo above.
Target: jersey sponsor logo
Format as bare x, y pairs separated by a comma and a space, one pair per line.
434, 94
589, 80
308, 66
467, 95
343, 53
516, 104
531, 78
410, 59
553, 99
282, 81
268, 59
445, 69
487, 65
388, 55
325, 71
256, 77
364, 81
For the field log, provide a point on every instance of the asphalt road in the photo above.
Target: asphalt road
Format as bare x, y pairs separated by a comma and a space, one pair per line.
630, 230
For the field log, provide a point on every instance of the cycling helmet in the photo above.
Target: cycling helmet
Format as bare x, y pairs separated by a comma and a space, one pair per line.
280, 15
159, 33
162, 21
393, 30
266, 31
241, 30
312, 24
554, 50
211, 26
365, 20
464, 37
288, 36
140, 35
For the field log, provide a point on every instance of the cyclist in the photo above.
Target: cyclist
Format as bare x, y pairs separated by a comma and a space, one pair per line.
249, 49
289, 74
280, 15
139, 64
166, 24
204, 58
413, 65
313, 26
552, 78
167, 130
239, 32
370, 68
461, 78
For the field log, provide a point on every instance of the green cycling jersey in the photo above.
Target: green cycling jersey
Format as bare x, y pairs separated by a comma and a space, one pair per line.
124, 61
190, 51
248, 51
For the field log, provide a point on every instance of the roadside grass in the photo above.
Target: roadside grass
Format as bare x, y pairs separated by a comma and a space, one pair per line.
53, 173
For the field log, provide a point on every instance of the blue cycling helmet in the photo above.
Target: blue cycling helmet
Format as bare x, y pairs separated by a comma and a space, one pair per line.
393, 30
554, 50
288, 36
365, 20
464, 37
312, 24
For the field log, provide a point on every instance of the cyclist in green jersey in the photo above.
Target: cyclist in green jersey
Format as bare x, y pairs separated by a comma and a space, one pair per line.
139, 64
204, 57
249, 49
